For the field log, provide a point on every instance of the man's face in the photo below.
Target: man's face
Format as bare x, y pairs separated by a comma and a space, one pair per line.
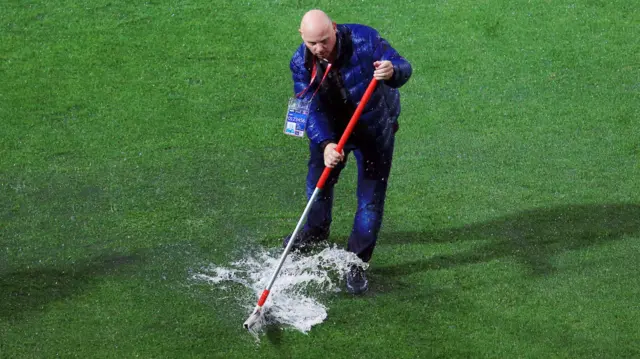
320, 41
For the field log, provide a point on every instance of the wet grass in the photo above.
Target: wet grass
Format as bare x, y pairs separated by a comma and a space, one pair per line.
140, 141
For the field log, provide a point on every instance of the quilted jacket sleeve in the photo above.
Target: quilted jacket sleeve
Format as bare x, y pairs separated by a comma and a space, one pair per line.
401, 67
319, 130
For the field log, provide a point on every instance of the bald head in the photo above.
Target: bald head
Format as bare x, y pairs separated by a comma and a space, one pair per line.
319, 34
315, 21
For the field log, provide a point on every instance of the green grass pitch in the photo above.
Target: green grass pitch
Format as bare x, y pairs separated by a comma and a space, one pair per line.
140, 140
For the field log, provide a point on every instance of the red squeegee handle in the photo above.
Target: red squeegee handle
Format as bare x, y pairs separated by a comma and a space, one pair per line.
349, 129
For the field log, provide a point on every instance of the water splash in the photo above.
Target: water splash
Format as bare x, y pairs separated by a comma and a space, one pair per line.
302, 279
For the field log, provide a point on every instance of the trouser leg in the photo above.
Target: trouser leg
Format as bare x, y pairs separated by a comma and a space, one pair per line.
374, 167
319, 218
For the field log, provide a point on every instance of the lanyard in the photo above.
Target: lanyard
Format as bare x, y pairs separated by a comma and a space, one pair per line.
313, 77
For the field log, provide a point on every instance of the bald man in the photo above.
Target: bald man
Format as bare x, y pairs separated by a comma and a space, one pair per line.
331, 70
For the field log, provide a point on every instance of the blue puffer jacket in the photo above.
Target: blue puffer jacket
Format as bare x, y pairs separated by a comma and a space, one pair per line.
358, 47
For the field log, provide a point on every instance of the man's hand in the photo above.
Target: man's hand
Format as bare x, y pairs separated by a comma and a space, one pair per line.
331, 156
383, 71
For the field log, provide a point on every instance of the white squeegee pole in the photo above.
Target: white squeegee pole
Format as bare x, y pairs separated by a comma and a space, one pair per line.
294, 236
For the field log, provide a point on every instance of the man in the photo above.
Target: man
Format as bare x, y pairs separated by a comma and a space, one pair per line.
331, 70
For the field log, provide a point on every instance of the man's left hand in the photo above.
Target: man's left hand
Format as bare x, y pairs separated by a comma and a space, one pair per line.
383, 71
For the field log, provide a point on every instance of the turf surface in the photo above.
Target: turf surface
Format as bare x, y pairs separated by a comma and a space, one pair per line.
142, 140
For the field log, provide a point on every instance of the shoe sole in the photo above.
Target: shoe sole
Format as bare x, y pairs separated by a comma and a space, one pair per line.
355, 291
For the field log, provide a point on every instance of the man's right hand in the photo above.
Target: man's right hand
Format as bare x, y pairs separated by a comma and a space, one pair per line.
331, 156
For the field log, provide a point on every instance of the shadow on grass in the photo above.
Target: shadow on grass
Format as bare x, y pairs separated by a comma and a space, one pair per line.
531, 236
274, 334
31, 290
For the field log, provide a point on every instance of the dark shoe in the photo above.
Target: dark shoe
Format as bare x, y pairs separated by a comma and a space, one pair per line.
305, 241
357, 282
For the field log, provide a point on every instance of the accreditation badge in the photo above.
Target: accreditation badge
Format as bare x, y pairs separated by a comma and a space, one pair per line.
297, 114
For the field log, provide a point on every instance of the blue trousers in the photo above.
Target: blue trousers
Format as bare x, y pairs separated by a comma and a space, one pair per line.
374, 166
